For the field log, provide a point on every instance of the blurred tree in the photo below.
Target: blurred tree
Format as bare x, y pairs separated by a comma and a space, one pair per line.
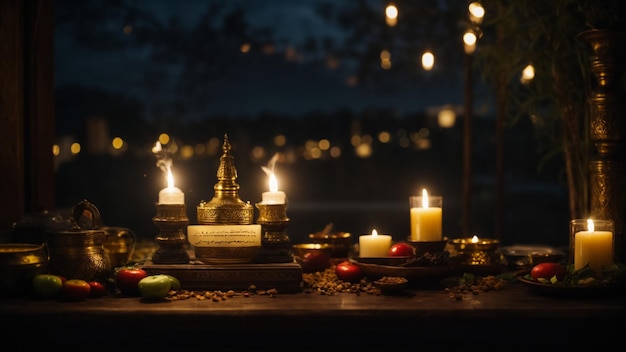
433, 25
544, 34
186, 59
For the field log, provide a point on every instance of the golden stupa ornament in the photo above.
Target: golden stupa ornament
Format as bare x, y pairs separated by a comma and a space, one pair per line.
225, 233
226, 208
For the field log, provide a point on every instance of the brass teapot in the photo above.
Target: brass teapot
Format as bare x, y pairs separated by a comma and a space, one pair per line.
78, 252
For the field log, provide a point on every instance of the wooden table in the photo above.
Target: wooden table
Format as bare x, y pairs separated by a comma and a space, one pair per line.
512, 318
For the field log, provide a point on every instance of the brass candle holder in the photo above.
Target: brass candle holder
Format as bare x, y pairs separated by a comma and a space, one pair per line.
171, 220
470, 251
275, 242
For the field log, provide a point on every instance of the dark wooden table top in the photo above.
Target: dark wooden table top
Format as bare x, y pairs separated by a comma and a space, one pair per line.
513, 314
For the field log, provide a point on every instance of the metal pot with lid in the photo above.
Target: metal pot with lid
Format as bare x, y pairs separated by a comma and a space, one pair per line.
78, 252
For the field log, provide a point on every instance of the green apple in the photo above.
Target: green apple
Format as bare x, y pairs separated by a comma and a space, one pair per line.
154, 286
47, 285
175, 283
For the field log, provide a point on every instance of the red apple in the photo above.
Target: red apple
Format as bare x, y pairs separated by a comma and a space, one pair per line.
547, 271
348, 271
97, 289
127, 280
401, 249
75, 290
315, 261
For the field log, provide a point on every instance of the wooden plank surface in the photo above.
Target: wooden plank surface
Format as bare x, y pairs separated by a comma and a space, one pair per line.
345, 320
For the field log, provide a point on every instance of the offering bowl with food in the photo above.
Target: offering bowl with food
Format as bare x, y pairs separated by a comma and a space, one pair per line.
404, 260
391, 284
339, 241
312, 256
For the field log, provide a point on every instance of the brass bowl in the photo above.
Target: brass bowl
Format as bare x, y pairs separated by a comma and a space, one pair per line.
475, 251
481, 244
19, 262
312, 257
340, 242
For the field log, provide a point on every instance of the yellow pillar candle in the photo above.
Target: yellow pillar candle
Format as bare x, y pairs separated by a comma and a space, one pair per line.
425, 220
374, 246
594, 248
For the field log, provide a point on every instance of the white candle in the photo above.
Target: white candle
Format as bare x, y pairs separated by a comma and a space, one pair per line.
426, 221
274, 196
171, 194
594, 248
374, 246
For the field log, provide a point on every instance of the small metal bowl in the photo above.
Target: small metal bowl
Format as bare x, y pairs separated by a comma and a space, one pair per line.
391, 284
312, 257
19, 262
475, 251
526, 256
340, 242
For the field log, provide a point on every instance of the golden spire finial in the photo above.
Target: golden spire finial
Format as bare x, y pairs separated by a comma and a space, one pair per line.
226, 172
226, 207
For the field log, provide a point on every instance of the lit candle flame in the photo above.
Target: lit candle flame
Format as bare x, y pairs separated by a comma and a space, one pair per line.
590, 226
273, 183
374, 232
170, 178
475, 239
424, 198
269, 170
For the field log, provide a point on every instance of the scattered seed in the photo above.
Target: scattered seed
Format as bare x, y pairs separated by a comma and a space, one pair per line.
327, 283
475, 287
218, 295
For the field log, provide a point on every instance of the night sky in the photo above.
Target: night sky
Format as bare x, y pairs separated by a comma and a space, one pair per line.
288, 88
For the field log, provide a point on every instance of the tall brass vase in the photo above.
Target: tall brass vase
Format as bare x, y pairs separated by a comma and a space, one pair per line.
606, 106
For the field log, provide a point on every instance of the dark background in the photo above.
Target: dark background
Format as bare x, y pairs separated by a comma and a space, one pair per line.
179, 70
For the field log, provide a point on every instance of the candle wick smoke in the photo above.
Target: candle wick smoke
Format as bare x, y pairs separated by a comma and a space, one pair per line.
163, 161
269, 169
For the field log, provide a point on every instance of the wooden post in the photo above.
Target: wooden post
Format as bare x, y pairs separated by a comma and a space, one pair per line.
27, 107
